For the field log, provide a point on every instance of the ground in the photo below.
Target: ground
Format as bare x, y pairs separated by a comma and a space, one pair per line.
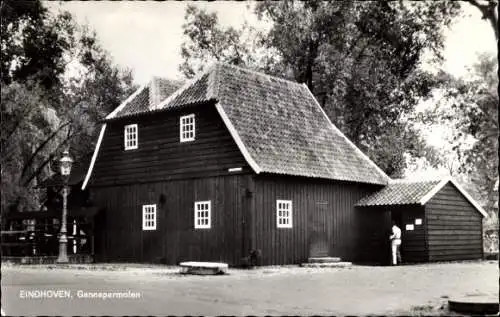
357, 290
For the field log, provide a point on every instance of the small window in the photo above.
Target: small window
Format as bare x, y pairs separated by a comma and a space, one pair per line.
149, 217
130, 137
187, 128
202, 215
284, 213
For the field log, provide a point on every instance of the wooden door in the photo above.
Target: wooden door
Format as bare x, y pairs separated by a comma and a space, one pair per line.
318, 234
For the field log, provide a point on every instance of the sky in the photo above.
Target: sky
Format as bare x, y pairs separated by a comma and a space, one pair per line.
146, 36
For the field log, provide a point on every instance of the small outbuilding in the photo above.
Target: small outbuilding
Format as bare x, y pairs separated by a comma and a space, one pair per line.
438, 219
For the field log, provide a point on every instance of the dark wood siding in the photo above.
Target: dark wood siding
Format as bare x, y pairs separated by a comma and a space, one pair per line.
332, 200
413, 242
160, 155
373, 242
376, 223
454, 227
175, 238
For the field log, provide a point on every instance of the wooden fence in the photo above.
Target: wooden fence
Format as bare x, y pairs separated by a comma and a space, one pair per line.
39, 236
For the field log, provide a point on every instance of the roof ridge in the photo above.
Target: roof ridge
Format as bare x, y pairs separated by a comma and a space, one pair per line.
212, 82
411, 181
259, 73
184, 87
164, 79
153, 77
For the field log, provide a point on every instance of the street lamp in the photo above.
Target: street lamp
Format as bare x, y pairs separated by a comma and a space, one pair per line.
65, 165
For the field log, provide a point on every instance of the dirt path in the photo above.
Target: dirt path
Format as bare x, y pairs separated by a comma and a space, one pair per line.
359, 290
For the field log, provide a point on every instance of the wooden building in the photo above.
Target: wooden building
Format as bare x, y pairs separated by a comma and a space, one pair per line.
230, 164
438, 219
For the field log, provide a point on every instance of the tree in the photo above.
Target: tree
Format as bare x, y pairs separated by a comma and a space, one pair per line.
23, 128
33, 42
470, 106
207, 41
489, 10
44, 108
360, 60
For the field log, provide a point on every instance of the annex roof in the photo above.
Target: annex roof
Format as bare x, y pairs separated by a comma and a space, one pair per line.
409, 192
399, 193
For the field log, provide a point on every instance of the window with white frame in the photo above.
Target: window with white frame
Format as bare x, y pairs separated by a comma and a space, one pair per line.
187, 128
130, 137
149, 217
202, 214
284, 213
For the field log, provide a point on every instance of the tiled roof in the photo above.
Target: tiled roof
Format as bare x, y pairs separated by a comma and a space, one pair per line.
150, 95
278, 125
399, 193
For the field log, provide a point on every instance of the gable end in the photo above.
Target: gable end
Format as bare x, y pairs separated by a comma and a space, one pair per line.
442, 184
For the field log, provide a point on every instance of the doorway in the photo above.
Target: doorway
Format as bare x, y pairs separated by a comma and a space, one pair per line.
397, 217
318, 231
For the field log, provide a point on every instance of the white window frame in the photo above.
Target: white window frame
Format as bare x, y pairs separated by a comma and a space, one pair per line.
199, 222
284, 214
187, 130
131, 136
149, 217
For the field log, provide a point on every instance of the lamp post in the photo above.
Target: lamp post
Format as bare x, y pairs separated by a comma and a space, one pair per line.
65, 165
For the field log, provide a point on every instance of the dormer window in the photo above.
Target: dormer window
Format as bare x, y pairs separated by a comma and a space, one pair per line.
130, 137
187, 128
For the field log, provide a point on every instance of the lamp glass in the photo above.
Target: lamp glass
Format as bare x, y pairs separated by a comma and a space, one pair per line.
65, 170
66, 162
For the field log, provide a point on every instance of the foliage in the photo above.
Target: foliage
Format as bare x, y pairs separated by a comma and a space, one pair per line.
470, 107
360, 60
33, 42
23, 128
208, 40
57, 83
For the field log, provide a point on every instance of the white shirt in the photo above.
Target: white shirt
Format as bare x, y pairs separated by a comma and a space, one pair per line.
396, 232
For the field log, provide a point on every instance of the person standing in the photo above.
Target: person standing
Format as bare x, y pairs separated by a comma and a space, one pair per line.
395, 244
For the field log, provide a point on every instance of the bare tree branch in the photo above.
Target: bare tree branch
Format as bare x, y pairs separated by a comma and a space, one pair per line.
41, 147
50, 158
